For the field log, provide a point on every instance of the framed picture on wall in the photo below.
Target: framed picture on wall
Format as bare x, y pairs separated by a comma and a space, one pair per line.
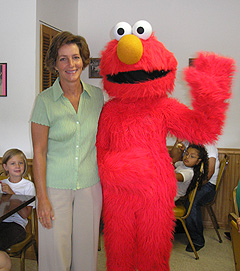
190, 61
94, 68
3, 79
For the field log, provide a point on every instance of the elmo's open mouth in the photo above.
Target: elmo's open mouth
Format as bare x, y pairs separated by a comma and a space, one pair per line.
134, 77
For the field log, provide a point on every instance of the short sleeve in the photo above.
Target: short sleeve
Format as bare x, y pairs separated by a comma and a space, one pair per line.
187, 173
212, 151
178, 163
30, 189
39, 114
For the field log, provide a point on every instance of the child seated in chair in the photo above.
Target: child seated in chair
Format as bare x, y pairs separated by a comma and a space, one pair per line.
12, 229
192, 168
207, 193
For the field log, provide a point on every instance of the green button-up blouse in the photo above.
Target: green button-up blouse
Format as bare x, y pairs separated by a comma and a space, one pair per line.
71, 155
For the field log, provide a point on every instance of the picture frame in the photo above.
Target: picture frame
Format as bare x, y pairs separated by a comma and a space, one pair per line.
3, 79
94, 70
190, 61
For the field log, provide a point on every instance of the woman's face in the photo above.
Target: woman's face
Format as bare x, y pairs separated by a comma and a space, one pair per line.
191, 157
69, 63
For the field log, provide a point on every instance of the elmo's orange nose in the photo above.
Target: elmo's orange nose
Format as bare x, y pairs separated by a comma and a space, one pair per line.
129, 49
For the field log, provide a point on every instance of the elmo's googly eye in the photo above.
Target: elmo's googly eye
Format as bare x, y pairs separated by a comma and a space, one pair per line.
142, 29
121, 29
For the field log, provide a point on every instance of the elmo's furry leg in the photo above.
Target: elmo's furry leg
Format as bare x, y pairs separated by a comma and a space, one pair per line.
155, 227
119, 232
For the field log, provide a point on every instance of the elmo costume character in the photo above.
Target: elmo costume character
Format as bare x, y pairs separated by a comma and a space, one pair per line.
135, 168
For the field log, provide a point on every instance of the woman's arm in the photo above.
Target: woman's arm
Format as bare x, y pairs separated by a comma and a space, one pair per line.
177, 151
40, 143
211, 169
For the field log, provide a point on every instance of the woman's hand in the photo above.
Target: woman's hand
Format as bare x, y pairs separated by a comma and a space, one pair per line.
180, 145
45, 213
177, 151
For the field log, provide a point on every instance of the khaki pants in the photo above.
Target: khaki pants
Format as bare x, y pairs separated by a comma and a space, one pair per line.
72, 242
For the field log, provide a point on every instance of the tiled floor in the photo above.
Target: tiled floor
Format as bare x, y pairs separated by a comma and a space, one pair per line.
214, 256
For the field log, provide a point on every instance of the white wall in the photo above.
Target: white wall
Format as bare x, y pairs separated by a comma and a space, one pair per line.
17, 49
185, 27
20, 47
59, 14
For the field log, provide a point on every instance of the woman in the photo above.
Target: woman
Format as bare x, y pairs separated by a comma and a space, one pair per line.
64, 126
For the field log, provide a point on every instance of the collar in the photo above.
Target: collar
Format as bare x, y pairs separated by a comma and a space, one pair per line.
58, 92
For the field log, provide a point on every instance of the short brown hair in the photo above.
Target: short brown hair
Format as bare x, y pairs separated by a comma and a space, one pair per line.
9, 154
61, 39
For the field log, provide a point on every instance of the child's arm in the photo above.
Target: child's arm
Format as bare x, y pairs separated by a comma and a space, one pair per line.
6, 189
179, 177
183, 175
25, 212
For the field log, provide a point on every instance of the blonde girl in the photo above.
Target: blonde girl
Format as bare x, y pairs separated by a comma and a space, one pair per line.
12, 229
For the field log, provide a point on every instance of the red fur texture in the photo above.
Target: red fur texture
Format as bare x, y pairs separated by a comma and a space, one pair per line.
135, 169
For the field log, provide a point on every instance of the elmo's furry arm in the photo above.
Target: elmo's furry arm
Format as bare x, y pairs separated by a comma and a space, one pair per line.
102, 140
210, 82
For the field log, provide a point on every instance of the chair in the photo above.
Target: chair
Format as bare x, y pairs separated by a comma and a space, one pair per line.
2, 176
235, 237
21, 247
181, 214
222, 168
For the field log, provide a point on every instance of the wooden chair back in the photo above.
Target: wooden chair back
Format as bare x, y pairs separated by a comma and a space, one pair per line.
222, 168
181, 214
235, 237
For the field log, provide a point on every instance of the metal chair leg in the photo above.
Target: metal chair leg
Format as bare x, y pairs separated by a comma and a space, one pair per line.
22, 261
189, 239
35, 249
210, 211
214, 221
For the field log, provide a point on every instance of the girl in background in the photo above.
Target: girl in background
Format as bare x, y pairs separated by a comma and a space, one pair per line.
12, 229
192, 168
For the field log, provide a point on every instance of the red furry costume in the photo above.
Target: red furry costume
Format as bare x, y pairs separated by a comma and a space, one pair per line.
135, 169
